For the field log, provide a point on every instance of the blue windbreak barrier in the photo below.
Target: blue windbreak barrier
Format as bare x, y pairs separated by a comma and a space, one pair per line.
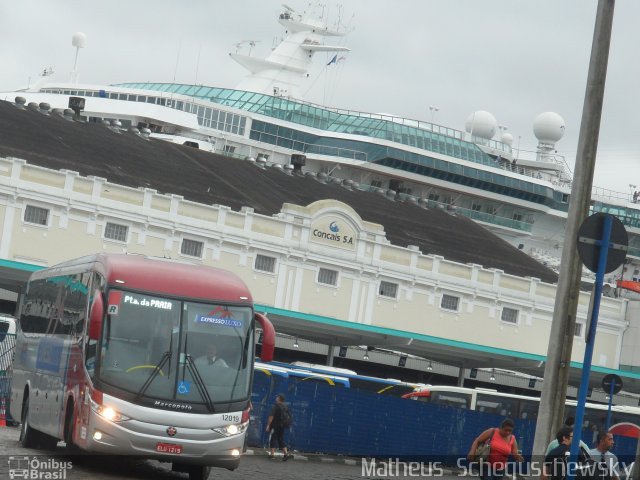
337, 420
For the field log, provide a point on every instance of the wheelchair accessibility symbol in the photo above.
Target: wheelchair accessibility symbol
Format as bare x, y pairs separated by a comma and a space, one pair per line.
184, 387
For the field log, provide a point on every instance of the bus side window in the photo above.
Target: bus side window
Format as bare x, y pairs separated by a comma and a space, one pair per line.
75, 304
33, 318
528, 409
451, 399
94, 283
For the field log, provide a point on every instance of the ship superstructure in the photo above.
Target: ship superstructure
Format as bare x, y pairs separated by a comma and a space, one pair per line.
469, 172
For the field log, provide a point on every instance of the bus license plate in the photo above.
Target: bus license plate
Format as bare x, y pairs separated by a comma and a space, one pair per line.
168, 448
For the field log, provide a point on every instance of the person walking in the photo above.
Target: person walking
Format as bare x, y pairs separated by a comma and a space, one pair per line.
279, 420
555, 461
569, 422
502, 445
602, 455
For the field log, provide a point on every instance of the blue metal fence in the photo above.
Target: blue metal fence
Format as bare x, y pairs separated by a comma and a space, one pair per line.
346, 421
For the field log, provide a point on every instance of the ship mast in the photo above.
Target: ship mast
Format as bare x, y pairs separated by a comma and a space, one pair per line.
282, 72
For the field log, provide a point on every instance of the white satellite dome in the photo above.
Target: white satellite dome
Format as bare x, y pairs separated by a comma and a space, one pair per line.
548, 127
507, 138
481, 124
79, 40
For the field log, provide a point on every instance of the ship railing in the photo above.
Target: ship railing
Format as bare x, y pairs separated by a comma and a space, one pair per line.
529, 172
483, 216
336, 152
606, 194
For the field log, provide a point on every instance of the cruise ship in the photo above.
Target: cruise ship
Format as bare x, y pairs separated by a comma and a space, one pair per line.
475, 171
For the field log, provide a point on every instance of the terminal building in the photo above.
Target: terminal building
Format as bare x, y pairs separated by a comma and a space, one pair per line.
342, 273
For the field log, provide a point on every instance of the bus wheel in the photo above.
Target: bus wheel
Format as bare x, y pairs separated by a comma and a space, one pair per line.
198, 472
28, 436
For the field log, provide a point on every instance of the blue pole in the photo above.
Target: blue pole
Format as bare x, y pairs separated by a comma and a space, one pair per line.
588, 351
608, 424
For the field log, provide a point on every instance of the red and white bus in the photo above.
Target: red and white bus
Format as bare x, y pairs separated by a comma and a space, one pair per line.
114, 355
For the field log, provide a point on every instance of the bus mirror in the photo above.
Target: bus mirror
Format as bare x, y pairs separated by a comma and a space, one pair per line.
95, 317
268, 337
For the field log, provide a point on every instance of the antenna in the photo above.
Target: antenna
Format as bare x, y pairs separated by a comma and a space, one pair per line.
79, 40
251, 43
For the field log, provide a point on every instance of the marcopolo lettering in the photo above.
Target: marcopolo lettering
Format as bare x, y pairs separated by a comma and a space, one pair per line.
176, 406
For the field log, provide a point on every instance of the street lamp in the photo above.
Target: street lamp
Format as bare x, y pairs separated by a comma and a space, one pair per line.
433, 109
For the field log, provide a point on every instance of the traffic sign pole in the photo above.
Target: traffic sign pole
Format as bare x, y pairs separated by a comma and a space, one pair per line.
604, 244
608, 424
611, 383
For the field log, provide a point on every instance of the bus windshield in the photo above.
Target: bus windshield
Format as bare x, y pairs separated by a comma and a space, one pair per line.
168, 349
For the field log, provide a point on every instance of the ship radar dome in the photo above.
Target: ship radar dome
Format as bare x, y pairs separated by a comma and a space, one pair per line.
548, 127
79, 40
507, 138
481, 124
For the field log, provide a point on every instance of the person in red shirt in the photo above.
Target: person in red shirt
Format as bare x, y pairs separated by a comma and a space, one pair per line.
503, 444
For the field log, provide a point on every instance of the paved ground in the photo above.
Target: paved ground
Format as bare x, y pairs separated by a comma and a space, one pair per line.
255, 464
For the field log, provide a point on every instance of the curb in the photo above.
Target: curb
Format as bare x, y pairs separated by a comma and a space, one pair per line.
322, 458
326, 458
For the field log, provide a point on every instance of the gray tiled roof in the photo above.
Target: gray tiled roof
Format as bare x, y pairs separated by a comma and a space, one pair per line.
126, 159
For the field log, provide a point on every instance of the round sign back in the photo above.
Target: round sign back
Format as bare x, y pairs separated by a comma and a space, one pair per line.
591, 232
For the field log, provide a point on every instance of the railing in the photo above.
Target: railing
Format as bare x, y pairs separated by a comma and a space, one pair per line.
604, 193
495, 219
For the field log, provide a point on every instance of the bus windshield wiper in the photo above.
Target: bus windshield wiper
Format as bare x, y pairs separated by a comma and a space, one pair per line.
156, 370
202, 388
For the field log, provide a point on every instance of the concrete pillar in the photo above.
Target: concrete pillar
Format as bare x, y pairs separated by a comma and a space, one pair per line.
330, 355
461, 375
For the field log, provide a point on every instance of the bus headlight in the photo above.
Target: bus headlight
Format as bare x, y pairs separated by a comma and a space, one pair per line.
233, 429
108, 413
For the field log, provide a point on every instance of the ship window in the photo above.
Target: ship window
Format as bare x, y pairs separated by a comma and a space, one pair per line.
450, 302
328, 277
578, 330
36, 215
191, 248
142, 98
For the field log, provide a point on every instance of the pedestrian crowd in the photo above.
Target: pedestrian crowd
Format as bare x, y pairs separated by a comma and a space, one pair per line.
493, 448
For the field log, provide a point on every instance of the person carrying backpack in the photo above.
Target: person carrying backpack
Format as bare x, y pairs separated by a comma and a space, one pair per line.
279, 420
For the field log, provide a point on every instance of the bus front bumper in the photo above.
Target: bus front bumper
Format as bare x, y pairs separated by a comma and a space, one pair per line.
142, 439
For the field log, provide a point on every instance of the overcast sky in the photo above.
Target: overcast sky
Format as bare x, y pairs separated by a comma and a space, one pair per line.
513, 58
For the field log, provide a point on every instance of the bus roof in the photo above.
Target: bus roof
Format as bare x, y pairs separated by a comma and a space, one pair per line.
323, 368
138, 272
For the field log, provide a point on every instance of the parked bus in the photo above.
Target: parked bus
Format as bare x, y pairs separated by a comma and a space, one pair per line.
114, 355
520, 406
382, 386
